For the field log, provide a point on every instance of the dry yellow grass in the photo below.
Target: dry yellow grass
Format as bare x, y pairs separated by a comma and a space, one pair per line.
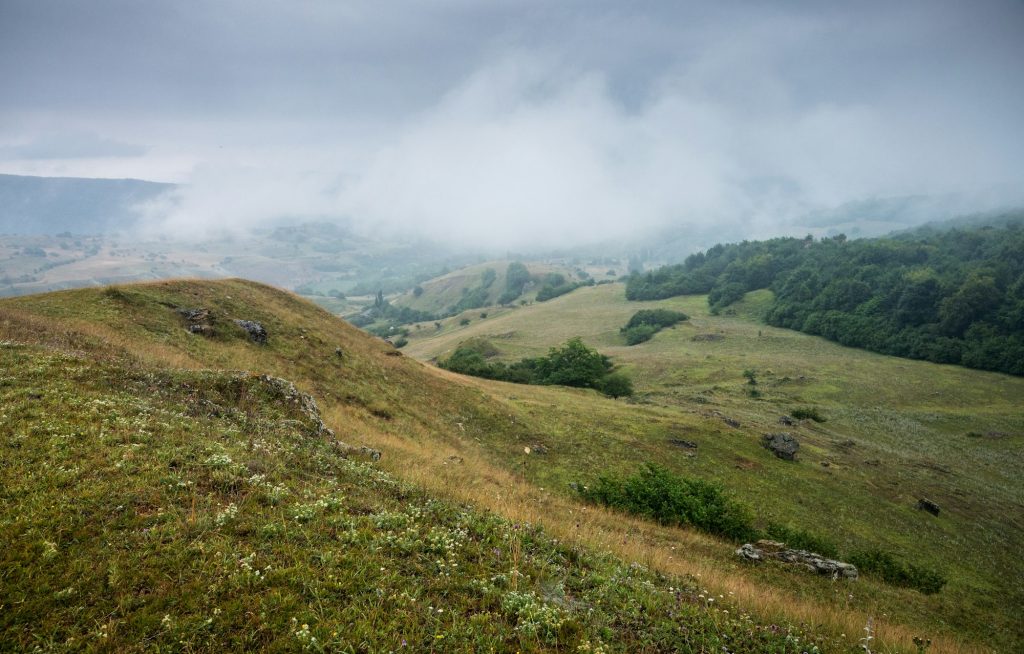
461, 474
420, 449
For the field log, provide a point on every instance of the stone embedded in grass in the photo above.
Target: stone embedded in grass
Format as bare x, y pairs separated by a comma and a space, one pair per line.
199, 320
255, 330
782, 445
925, 504
770, 549
678, 442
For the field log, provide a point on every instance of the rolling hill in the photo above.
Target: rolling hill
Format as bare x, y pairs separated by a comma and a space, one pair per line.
165, 489
49, 205
895, 431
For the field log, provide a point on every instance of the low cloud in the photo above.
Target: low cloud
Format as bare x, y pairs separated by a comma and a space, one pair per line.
512, 125
70, 145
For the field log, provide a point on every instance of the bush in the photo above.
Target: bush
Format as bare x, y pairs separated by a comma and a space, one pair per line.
548, 291
807, 413
890, 570
646, 323
464, 322
656, 493
659, 318
799, 539
574, 364
639, 334
617, 385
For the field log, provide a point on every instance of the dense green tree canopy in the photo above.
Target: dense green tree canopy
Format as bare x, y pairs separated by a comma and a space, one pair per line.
950, 296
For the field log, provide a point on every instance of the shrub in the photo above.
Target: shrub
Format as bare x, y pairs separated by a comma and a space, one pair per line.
573, 364
660, 318
807, 413
898, 573
802, 540
401, 342
639, 334
464, 322
656, 493
646, 323
617, 385
549, 291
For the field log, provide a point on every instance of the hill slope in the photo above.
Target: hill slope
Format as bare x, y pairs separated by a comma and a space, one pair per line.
199, 477
895, 431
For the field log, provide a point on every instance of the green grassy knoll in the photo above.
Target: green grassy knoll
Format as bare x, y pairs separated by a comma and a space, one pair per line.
201, 511
896, 431
442, 293
175, 407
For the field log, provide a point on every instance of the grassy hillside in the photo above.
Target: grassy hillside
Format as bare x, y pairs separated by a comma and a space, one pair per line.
896, 431
209, 513
442, 293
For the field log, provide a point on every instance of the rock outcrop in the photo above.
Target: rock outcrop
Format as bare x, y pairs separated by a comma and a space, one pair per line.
197, 321
781, 445
255, 330
304, 402
769, 549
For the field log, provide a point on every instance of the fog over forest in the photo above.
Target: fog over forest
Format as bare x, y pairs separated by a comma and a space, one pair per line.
516, 124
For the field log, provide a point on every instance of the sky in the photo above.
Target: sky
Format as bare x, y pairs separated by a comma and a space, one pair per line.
511, 124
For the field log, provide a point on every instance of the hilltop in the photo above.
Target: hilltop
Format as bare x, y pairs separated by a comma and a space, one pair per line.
215, 511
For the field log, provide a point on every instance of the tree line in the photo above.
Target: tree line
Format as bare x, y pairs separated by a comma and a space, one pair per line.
949, 296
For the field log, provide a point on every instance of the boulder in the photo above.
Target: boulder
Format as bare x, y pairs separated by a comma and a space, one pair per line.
782, 445
679, 442
776, 551
287, 392
927, 505
255, 330
198, 320
786, 420
194, 316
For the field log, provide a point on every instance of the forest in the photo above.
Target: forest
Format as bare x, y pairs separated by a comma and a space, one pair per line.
944, 295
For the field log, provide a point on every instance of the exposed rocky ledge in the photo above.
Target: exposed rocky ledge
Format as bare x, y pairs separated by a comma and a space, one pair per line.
287, 392
770, 549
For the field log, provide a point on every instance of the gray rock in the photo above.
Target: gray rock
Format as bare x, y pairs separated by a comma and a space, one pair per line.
769, 549
199, 320
782, 445
679, 442
255, 330
197, 315
287, 392
927, 505
786, 420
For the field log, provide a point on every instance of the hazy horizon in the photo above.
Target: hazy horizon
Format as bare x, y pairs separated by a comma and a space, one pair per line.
518, 124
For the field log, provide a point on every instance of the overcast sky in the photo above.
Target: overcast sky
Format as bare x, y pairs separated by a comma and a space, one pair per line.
498, 122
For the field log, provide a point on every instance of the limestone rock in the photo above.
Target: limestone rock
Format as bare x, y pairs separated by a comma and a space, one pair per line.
685, 444
255, 330
774, 550
287, 392
198, 320
782, 445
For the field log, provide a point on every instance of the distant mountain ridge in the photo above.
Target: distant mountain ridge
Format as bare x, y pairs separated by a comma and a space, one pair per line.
50, 205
